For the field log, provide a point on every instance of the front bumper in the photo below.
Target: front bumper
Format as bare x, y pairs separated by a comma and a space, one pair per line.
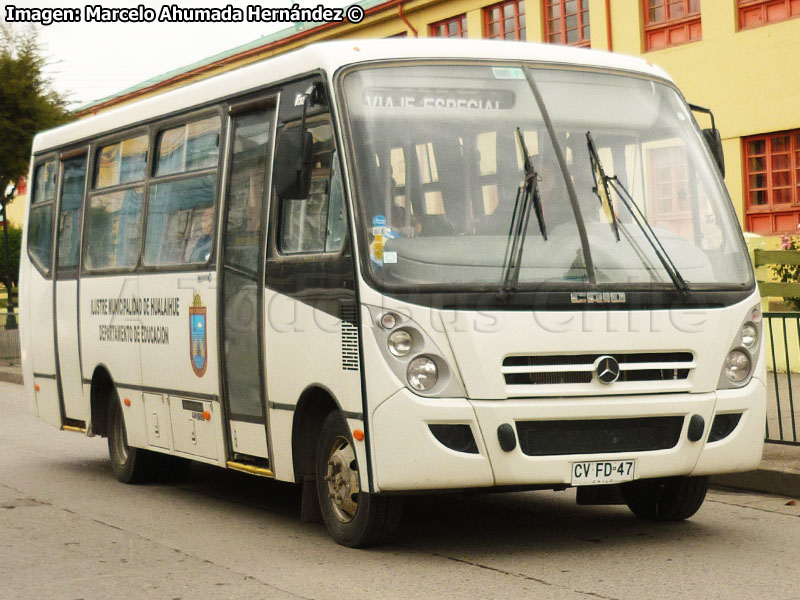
407, 456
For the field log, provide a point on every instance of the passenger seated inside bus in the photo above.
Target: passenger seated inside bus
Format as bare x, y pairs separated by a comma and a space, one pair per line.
198, 248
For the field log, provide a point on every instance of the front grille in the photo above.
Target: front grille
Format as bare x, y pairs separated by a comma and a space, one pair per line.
596, 436
579, 368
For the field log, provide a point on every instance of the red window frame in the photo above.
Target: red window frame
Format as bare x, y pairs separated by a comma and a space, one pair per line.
443, 28
504, 21
771, 169
555, 13
754, 13
670, 23
668, 190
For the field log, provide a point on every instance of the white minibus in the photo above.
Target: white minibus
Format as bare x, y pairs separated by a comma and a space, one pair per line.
382, 267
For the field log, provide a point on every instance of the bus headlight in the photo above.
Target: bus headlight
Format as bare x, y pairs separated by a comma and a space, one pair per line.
744, 352
737, 366
399, 343
422, 374
418, 362
749, 335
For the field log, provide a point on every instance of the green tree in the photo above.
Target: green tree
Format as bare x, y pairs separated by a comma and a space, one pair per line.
28, 104
14, 245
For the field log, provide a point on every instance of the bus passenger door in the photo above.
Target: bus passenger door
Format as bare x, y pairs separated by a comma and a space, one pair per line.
242, 266
68, 235
36, 296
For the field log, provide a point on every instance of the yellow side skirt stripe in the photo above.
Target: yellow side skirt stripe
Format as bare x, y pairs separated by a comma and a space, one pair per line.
260, 471
72, 428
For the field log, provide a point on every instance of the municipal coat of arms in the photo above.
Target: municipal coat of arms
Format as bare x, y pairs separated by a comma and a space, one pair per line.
198, 349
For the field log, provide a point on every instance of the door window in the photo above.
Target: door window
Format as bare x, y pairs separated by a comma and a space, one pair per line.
70, 211
241, 262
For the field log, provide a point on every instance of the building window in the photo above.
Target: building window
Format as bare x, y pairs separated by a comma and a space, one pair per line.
671, 22
450, 28
772, 182
753, 13
668, 190
504, 21
567, 22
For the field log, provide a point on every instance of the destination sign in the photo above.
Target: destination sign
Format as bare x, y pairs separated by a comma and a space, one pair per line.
448, 99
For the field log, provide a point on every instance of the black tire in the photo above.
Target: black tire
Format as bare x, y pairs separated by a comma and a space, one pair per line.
667, 499
353, 517
129, 465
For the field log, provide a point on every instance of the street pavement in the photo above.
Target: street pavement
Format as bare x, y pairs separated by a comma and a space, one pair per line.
69, 530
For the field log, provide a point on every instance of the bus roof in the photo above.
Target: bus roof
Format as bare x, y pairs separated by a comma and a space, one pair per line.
328, 56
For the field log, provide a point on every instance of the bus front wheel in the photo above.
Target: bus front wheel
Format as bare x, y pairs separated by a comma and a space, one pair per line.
353, 517
666, 499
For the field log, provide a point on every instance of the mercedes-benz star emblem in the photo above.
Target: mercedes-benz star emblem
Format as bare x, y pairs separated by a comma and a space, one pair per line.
607, 369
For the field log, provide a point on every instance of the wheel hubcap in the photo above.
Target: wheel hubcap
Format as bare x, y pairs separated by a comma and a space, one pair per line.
342, 480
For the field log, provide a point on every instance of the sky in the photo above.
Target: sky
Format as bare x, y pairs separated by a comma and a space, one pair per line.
89, 61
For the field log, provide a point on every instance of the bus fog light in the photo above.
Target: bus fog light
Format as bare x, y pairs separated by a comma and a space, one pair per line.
422, 374
737, 366
388, 321
749, 336
399, 343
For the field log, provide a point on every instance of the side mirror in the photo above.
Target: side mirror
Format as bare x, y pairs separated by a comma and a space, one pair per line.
293, 163
714, 142
712, 137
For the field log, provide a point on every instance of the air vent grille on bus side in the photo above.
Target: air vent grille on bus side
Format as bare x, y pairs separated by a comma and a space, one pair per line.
579, 368
347, 313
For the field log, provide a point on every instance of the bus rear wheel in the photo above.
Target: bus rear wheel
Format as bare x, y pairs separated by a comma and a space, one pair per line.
129, 465
666, 499
353, 517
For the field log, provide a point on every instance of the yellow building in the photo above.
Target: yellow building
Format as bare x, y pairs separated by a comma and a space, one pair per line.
16, 208
729, 55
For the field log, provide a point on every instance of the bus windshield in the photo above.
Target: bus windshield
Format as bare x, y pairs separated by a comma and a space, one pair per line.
439, 165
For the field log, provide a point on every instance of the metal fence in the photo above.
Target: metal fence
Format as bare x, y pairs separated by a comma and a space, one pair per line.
783, 353
9, 337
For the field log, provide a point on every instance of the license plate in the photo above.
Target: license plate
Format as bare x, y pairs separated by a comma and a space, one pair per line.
602, 471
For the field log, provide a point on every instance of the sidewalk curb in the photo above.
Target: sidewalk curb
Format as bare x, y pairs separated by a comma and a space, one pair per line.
768, 481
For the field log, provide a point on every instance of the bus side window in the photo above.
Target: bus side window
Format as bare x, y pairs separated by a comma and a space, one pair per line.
316, 223
114, 229
40, 227
114, 214
180, 212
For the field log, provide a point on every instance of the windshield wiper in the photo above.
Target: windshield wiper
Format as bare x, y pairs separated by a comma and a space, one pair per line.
527, 194
597, 167
613, 182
